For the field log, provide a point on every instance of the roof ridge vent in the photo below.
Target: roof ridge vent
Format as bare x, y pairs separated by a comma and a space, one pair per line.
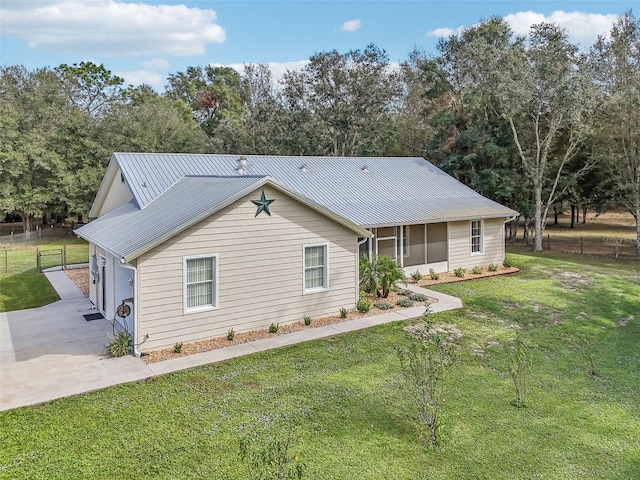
365, 168
303, 168
242, 160
240, 168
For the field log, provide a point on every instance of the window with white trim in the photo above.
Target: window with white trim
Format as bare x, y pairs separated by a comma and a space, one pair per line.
200, 283
476, 236
316, 277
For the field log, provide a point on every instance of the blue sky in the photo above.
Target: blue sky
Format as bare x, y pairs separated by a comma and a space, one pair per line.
146, 40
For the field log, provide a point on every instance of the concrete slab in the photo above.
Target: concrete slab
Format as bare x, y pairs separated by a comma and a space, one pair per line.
175, 364
227, 353
67, 290
276, 342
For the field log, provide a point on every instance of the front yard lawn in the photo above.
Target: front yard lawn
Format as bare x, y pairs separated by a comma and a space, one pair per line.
339, 397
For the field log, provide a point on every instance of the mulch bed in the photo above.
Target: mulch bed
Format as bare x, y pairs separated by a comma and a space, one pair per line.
469, 275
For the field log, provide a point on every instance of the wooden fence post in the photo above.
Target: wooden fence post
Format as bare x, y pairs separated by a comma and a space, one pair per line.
581, 245
64, 257
37, 260
548, 241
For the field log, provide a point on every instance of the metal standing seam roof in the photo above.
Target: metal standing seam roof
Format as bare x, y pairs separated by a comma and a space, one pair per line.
128, 231
369, 191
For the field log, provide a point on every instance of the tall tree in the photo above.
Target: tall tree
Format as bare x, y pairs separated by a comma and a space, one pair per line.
616, 62
263, 119
544, 91
33, 108
351, 95
152, 123
91, 87
216, 96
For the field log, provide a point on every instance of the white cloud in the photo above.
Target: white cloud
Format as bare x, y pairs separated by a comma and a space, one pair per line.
351, 26
582, 28
110, 27
278, 69
445, 32
138, 77
155, 63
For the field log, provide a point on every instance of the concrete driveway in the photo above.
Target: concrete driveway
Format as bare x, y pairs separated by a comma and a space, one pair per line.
52, 351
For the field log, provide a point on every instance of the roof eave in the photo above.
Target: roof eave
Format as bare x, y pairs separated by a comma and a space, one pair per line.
445, 220
362, 232
90, 239
103, 190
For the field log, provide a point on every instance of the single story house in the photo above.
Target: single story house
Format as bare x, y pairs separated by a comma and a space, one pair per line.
198, 244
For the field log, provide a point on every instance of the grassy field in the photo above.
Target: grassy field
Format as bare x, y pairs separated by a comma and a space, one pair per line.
340, 397
20, 284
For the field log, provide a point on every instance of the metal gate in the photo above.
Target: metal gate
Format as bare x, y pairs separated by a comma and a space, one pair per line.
50, 258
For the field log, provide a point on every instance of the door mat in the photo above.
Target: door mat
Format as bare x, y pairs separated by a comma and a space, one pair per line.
92, 316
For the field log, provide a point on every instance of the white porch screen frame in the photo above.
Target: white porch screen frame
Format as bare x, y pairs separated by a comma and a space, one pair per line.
200, 283
477, 243
315, 268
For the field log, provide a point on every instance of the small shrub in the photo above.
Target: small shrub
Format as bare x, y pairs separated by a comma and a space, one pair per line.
273, 328
231, 334
519, 366
493, 267
418, 297
363, 305
120, 345
416, 276
434, 276
405, 302
425, 363
459, 272
405, 292
382, 305
507, 263
271, 460
177, 347
477, 270
307, 320
343, 312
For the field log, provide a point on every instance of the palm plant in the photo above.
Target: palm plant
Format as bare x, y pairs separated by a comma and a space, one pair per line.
380, 275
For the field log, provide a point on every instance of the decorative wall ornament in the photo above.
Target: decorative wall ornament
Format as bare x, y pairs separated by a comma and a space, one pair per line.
263, 205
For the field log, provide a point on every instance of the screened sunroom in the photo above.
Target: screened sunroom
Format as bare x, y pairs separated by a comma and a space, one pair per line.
414, 247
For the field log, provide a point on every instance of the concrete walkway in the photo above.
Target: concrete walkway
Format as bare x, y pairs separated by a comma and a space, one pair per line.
52, 352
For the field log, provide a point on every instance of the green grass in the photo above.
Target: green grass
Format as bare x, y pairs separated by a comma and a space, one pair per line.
349, 420
20, 284
28, 290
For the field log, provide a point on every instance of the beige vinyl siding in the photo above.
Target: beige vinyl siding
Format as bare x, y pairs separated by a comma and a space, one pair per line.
260, 265
460, 244
117, 195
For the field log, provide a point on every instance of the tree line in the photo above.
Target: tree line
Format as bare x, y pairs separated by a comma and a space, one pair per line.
530, 122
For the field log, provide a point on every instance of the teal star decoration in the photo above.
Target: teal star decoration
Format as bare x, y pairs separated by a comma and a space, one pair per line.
263, 205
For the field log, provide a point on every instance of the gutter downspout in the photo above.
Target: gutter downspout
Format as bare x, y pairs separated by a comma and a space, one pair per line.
360, 242
128, 266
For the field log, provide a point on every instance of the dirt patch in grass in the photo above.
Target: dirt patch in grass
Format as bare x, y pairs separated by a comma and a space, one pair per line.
573, 281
